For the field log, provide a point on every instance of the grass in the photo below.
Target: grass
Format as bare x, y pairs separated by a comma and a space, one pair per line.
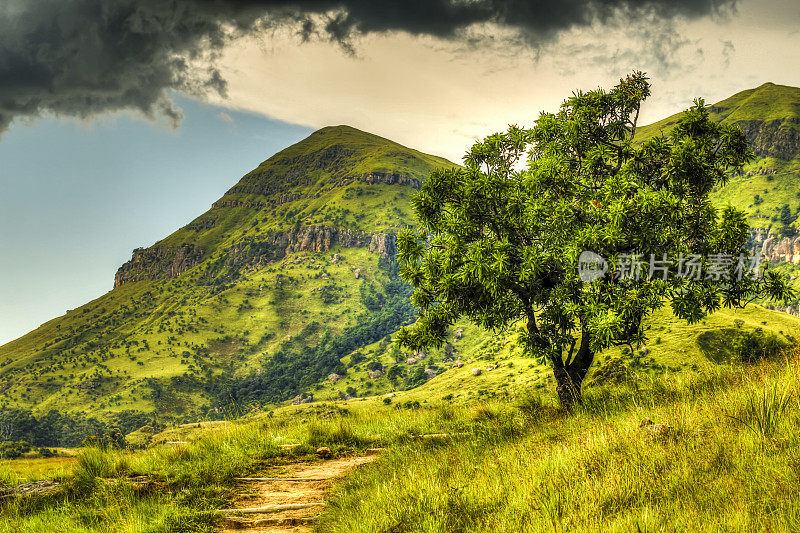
598, 470
196, 478
24, 470
730, 460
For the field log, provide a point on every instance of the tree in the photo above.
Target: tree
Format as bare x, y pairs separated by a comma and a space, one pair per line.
499, 242
787, 218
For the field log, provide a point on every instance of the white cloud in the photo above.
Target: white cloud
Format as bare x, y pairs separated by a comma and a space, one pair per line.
439, 96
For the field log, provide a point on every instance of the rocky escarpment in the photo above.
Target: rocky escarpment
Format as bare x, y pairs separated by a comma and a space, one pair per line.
777, 138
779, 250
323, 238
389, 178
159, 263
320, 239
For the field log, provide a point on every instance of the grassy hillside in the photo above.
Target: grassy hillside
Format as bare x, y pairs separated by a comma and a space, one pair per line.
770, 117
250, 285
316, 181
633, 458
720, 457
766, 103
289, 278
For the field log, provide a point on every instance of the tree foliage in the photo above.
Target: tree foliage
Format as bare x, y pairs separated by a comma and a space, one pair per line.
500, 239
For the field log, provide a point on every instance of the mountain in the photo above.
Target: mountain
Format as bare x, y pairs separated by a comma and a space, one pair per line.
287, 288
769, 116
298, 256
768, 188
328, 189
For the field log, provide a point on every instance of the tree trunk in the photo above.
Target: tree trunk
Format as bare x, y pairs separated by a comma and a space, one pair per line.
569, 378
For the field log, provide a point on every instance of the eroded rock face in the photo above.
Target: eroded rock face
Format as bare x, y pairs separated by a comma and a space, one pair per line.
779, 250
384, 244
390, 178
777, 138
321, 239
157, 262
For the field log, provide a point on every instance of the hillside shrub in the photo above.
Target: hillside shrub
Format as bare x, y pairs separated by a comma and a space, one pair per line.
740, 345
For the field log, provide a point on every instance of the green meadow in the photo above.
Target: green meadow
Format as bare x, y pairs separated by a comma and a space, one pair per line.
721, 454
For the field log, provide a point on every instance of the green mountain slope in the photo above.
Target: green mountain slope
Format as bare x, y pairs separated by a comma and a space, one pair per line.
770, 117
298, 254
287, 287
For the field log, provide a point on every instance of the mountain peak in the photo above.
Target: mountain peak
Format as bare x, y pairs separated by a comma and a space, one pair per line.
335, 155
768, 114
766, 103
345, 135
340, 129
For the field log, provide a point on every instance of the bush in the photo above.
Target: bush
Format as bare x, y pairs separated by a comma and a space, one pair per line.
614, 371
46, 453
13, 450
738, 345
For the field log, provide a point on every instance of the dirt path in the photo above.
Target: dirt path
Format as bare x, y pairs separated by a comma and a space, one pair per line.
309, 485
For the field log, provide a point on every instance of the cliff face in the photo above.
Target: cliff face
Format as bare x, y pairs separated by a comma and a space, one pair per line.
320, 239
777, 138
778, 250
159, 263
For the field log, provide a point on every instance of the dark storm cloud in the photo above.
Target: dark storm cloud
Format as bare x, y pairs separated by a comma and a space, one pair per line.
82, 57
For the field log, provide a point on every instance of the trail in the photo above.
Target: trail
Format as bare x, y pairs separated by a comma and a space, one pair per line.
308, 485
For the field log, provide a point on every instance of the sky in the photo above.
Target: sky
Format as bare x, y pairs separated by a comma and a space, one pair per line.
122, 120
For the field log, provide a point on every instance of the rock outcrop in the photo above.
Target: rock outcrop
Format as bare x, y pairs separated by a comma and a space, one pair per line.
384, 244
390, 178
320, 239
776, 138
779, 250
158, 262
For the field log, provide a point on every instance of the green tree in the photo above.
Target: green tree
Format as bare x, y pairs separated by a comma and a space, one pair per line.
787, 218
500, 244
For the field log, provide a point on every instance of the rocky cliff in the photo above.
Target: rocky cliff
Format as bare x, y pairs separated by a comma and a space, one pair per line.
777, 138
320, 239
160, 263
779, 250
